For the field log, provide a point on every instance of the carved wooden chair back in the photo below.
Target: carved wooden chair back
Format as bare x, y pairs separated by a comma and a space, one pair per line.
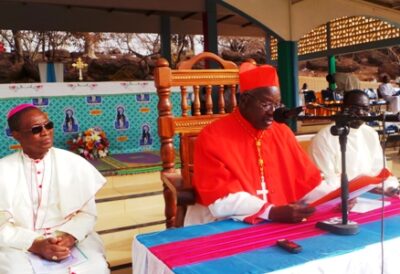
208, 88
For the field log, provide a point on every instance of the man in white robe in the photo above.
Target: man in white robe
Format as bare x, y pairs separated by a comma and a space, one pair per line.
47, 200
388, 93
364, 154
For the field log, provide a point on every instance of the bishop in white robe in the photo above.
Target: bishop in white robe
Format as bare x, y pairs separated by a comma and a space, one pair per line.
48, 196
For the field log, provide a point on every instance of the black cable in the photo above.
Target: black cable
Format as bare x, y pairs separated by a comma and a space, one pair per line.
383, 144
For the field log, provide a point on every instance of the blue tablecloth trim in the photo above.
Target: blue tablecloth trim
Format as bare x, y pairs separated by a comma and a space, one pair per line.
189, 232
273, 258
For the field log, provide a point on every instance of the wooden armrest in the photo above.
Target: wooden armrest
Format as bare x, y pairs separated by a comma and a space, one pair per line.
173, 181
184, 196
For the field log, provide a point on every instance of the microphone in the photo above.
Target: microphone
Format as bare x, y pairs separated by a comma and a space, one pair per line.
282, 114
381, 117
319, 106
392, 117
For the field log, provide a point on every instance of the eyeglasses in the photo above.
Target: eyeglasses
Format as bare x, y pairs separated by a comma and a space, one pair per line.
267, 106
39, 128
357, 108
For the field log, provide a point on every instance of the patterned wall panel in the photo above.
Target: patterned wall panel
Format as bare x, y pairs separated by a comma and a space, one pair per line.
129, 120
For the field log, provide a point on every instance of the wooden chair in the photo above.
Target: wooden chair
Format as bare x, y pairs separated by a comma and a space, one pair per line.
177, 186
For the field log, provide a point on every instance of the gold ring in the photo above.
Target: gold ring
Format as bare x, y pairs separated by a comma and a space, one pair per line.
54, 258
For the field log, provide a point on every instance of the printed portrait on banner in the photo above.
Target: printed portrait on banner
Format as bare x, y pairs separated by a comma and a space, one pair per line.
146, 139
40, 102
8, 132
121, 121
93, 99
143, 97
70, 124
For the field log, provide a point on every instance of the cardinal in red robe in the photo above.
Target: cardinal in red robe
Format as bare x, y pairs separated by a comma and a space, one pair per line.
248, 167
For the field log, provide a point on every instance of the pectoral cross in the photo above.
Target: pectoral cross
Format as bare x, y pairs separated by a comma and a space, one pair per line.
263, 191
80, 65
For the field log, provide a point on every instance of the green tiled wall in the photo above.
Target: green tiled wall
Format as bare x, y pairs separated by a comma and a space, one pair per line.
139, 110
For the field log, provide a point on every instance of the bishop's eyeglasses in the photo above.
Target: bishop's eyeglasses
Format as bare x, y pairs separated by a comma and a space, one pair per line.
39, 128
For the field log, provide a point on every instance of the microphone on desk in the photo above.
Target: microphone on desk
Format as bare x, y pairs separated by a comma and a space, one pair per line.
321, 106
282, 114
381, 117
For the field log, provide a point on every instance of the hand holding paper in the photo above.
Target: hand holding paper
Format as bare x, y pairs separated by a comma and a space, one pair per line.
357, 186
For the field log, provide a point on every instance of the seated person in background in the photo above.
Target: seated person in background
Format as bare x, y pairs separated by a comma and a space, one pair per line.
387, 92
364, 154
328, 93
304, 88
345, 81
248, 167
47, 204
308, 95
302, 94
371, 93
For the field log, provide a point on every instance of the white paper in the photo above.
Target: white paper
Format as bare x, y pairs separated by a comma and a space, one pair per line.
352, 195
42, 266
364, 205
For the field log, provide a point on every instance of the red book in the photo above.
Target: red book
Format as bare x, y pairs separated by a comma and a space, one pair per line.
357, 186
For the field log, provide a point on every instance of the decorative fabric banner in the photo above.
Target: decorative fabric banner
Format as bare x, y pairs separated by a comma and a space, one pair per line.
74, 114
220, 245
51, 74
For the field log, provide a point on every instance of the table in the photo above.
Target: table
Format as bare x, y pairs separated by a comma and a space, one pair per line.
206, 249
333, 107
378, 106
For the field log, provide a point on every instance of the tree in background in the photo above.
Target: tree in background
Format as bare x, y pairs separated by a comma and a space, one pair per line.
88, 42
132, 56
241, 48
182, 46
55, 40
21, 42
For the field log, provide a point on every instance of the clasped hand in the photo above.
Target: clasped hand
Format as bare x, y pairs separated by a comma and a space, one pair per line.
291, 213
54, 248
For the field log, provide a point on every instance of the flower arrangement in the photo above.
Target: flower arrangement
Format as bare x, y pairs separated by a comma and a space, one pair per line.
90, 144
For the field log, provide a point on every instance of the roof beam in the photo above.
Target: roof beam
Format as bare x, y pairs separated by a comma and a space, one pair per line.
150, 12
136, 5
187, 16
226, 17
246, 24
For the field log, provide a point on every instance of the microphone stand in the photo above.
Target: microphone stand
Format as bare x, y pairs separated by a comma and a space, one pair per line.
341, 226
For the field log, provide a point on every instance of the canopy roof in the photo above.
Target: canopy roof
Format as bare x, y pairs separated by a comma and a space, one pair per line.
285, 19
315, 24
134, 16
